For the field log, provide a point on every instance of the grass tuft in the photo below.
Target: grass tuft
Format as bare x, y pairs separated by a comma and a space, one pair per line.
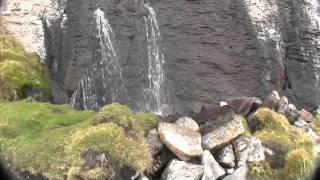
54, 141
295, 150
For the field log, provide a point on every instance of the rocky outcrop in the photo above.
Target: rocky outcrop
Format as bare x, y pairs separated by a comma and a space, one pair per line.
213, 50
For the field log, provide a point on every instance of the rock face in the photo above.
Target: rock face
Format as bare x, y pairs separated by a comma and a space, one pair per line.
184, 143
180, 170
213, 50
212, 169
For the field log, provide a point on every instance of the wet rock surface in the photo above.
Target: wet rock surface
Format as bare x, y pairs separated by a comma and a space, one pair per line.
209, 47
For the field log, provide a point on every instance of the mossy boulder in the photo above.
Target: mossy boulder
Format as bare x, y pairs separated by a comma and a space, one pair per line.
20, 71
56, 141
295, 155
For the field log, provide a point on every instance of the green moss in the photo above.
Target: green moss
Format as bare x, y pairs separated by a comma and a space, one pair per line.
19, 70
300, 164
268, 119
148, 121
316, 124
52, 140
293, 148
132, 123
247, 130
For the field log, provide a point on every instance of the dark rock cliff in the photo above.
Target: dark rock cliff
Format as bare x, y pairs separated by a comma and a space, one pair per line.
213, 49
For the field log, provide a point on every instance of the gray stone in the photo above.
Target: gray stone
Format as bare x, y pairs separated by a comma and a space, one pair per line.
256, 152
230, 171
283, 105
143, 177
239, 174
272, 100
154, 142
180, 170
183, 142
248, 149
212, 169
241, 150
188, 123
222, 134
226, 156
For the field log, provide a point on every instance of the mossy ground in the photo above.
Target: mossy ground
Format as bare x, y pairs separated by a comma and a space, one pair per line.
51, 140
19, 70
296, 156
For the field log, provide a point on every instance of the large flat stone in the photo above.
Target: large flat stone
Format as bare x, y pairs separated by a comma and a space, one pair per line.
183, 142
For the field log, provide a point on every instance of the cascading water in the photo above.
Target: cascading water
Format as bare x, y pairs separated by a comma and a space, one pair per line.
154, 91
101, 83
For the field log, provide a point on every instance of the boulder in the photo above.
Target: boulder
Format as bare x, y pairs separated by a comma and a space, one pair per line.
223, 113
217, 135
272, 100
212, 169
183, 142
239, 174
230, 171
188, 123
244, 105
306, 116
292, 113
241, 150
226, 156
180, 170
248, 149
154, 142
256, 150
283, 105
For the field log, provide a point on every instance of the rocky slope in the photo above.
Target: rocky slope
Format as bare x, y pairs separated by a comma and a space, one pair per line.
213, 49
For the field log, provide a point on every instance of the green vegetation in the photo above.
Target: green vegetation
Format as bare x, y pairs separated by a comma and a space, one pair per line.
54, 140
316, 124
121, 115
19, 70
296, 156
247, 130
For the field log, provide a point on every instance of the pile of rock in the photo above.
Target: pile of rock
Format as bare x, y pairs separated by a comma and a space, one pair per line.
209, 150
211, 145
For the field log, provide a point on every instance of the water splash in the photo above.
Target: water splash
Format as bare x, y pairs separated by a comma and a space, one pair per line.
101, 83
154, 92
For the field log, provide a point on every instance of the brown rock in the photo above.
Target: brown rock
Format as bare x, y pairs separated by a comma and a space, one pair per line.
306, 116
244, 105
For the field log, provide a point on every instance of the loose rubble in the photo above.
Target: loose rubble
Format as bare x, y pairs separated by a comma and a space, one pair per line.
212, 144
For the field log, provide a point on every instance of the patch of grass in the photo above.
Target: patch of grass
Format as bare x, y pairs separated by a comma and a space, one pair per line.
19, 70
131, 122
295, 149
53, 140
247, 130
316, 124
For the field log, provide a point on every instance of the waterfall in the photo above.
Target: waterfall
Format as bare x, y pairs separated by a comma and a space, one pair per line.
101, 83
154, 91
